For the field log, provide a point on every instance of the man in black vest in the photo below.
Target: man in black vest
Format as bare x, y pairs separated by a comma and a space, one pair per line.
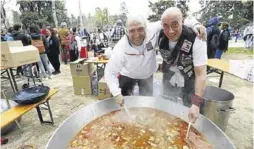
184, 62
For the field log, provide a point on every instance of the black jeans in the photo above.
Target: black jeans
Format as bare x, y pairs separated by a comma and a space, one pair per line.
74, 54
127, 85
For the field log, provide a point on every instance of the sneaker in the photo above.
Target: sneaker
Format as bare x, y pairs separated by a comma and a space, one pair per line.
50, 77
56, 72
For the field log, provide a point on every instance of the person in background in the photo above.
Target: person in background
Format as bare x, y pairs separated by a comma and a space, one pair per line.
40, 42
248, 36
75, 45
48, 33
8, 36
2, 35
117, 32
44, 30
213, 34
85, 36
224, 38
53, 50
18, 34
102, 40
237, 34
63, 34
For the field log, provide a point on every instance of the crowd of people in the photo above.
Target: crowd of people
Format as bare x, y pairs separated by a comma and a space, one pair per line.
47, 43
73, 43
219, 34
66, 44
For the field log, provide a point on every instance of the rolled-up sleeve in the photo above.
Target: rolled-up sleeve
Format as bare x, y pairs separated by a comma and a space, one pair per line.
199, 52
113, 68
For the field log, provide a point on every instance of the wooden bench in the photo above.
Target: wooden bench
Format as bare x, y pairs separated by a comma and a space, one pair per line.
16, 112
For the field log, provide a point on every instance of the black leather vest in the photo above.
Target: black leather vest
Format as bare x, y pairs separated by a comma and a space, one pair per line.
180, 55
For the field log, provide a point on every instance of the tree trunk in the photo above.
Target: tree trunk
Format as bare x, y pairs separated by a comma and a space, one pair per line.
54, 12
81, 23
3, 16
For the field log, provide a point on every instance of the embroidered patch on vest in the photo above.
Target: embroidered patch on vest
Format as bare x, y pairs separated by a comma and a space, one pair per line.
180, 67
187, 69
149, 46
186, 46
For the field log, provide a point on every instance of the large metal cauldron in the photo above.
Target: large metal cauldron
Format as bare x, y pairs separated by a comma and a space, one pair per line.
70, 127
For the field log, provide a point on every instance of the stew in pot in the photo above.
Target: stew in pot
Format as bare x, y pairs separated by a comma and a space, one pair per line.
151, 129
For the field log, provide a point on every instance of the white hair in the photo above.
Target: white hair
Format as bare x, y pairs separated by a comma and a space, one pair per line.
63, 24
173, 11
135, 18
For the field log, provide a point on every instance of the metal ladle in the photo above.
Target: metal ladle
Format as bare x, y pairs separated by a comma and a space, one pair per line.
188, 130
187, 134
129, 114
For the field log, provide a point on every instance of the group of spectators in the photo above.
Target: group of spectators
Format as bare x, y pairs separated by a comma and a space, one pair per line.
45, 40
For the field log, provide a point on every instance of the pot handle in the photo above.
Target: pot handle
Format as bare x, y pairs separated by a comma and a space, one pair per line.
230, 109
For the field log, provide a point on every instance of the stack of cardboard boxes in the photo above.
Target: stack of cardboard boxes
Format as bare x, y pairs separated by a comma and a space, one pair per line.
85, 82
82, 76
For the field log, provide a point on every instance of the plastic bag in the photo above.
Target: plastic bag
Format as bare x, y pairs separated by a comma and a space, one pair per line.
51, 67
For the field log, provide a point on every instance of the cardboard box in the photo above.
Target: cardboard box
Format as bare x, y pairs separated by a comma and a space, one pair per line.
103, 90
14, 54
83, 84
81, 68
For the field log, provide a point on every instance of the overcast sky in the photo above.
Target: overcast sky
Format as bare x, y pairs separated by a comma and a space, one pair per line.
88, 6
134, 6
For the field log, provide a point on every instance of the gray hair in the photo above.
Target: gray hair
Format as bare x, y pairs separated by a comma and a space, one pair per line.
137, 19
119, 22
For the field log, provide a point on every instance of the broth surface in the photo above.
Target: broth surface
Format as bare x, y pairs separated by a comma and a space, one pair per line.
150, 129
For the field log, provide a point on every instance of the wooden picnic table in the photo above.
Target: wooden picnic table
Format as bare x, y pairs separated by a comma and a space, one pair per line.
17, 111
10, 77
218, 66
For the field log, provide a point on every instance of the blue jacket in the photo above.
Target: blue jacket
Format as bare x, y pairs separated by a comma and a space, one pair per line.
8, 37
211, 23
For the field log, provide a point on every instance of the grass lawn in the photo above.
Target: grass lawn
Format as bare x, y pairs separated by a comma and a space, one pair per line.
239, 50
